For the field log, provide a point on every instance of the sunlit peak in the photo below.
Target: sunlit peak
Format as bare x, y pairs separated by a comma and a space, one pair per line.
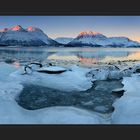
16, 28
88, 33
31, 29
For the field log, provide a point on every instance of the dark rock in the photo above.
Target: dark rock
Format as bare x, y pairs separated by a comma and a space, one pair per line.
51, 72
118, 92
138, 70
9, 61
112, 109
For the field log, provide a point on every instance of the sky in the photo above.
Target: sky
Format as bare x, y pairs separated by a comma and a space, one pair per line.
71, 26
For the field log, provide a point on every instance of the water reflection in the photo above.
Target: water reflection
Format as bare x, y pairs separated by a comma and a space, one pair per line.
86, 56
131, 57
96, 57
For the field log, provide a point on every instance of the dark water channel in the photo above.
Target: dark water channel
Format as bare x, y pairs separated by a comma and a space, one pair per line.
99, 98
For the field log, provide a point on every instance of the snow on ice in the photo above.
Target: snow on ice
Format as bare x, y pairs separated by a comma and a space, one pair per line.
12, 113
74, 80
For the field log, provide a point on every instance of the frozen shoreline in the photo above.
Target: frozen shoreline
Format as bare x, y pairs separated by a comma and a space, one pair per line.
127, 107
12, 113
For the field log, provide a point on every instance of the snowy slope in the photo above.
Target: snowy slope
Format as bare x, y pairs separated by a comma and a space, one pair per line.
120, 41
25, 37
63, 40
88, 38
98, 39
38, 33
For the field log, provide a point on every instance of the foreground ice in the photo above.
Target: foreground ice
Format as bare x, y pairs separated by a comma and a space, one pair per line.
127, 108
74, 80
12, 113
5, 70
111, 72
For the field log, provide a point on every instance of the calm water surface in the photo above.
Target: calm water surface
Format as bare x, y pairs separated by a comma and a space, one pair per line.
68, 56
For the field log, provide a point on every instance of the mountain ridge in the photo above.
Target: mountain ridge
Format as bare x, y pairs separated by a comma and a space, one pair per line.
92, 38
33, 36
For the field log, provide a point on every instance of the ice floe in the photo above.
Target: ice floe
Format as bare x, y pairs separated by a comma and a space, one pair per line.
74, 80
111, 72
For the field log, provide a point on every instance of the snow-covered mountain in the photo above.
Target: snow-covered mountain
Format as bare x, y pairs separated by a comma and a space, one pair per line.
24, 37
63, 40
33, 36
97, 39
121, 41
36, 32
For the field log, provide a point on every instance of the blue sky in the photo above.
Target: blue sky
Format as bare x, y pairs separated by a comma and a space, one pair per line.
71, 26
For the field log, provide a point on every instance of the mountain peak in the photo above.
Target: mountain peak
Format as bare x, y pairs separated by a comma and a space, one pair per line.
32, 29
17, 28
88, 33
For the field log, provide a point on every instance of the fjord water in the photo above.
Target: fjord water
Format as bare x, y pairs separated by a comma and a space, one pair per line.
86, 56
98, 98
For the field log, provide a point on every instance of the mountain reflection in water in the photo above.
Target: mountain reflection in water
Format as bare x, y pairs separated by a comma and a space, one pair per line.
85, 56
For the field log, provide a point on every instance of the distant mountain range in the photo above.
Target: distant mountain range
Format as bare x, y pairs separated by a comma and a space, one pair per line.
97, 39
32, 36
63, 40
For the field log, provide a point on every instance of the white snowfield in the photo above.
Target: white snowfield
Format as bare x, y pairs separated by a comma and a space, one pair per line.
126, 108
